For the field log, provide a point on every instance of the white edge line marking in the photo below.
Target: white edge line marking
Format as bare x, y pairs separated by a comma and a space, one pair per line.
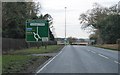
49, 61
103, 56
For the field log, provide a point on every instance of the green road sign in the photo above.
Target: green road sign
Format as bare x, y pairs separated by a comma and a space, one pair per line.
37, 30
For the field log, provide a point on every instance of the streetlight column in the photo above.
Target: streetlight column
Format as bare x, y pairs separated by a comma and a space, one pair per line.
65, 26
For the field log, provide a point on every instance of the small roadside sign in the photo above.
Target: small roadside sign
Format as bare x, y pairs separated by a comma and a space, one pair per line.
37, 30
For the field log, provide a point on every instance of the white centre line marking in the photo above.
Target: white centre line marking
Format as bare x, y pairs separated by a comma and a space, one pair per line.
103, 56
49, 61
116, 62
88, 50
93, 52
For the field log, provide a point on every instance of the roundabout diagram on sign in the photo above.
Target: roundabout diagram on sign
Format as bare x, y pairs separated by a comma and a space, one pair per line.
36, 35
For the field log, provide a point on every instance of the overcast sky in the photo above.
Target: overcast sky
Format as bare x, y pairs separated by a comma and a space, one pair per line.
56, 8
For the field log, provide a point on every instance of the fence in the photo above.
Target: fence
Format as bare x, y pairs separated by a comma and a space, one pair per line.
18, 44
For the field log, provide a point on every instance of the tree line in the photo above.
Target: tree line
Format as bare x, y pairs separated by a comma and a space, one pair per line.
104, 22
14, 16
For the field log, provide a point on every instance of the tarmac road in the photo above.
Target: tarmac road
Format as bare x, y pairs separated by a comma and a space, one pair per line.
82, 59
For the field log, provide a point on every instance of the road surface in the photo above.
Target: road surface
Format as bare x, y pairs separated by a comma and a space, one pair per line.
82, 59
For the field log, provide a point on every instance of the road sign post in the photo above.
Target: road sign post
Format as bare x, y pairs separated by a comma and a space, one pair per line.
37, 30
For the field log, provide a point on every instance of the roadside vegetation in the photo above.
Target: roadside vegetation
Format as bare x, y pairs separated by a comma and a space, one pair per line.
109, 46
13, 20
18, 63
21, 61
103, 22
0, 64
35, 50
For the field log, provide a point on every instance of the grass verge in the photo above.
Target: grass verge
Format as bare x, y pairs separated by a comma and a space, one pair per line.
109, 46
21, 61
0, 64
50, 49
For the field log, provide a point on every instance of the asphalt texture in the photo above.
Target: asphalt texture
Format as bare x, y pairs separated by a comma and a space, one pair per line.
82, 59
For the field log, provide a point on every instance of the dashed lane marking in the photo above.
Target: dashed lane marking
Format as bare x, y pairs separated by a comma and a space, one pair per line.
116, 62
93, 52
103, 56
88, 50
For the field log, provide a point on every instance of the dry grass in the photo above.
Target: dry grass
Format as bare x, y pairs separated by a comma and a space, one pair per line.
109, 46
